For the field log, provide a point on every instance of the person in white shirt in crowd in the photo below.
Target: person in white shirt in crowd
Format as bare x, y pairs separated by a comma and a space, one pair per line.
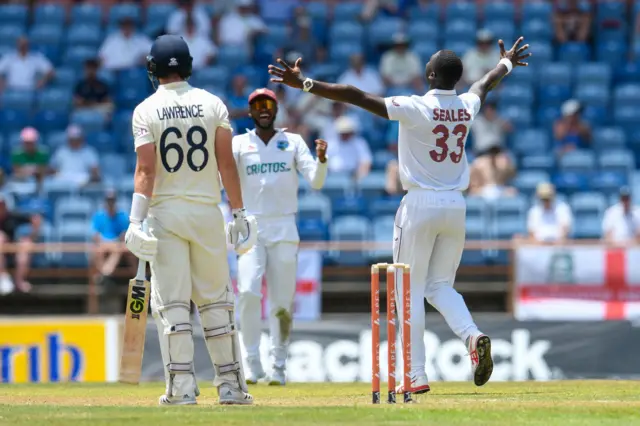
240, 25
187, 9
329, 130
75, 164
550, 220
202, 48
621, 223
349, 153
480, 59
24, 69
362, 76
124, 48
268, 161
399, 66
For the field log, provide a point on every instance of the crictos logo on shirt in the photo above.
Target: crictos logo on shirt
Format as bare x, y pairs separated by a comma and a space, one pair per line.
265, 168
50, 352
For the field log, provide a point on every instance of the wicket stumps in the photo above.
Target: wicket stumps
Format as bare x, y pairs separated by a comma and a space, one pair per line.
391, 330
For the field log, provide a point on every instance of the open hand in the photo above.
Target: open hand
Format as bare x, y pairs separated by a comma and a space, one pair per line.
321, 150
290, 76
516, 55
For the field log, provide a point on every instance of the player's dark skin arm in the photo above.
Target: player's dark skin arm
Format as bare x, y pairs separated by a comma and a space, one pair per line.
335, 92
491, 79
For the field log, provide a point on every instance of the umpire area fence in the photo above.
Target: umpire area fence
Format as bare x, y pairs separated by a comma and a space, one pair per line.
90, 273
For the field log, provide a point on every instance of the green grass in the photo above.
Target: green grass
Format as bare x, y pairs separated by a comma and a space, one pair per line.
530, 403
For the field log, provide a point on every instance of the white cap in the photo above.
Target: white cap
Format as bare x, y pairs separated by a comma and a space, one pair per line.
345, 124
545, 190
570, 107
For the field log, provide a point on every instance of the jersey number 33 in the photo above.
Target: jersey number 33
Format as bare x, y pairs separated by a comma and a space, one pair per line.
197, 150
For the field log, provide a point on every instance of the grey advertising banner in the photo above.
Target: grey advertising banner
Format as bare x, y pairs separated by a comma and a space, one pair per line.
340, 351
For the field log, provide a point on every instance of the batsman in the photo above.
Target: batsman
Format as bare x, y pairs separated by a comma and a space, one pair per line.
269, 161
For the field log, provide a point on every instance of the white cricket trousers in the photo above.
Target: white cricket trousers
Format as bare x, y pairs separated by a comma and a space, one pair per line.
274, 257
429, 236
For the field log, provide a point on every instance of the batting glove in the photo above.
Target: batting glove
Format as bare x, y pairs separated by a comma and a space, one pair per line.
242, 232
141, 244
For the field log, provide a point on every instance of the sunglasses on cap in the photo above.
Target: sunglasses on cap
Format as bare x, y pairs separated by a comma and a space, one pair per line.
263, 103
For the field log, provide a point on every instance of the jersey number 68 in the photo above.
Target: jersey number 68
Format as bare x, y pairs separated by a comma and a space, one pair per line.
165, 148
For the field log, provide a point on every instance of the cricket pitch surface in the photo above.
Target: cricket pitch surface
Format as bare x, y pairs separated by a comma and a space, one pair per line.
502, 403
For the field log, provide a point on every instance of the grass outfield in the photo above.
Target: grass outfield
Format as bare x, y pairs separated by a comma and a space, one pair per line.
529, 403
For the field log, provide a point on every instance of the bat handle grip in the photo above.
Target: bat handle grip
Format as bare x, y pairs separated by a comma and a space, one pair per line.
141, 275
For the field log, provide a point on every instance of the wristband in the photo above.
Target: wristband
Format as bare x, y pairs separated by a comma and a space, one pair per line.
507, 63
139, 208
307, 84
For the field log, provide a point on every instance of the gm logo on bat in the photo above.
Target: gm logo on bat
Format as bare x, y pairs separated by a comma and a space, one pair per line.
137, 301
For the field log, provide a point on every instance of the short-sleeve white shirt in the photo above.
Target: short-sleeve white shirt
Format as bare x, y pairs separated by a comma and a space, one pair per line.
21, 72
546, 225
623, 227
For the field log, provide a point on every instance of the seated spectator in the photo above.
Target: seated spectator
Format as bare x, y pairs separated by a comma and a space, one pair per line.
240, 25
238, 103
621, 223
29, 158
489, 129
9, 223
373, 7
125, 48
201, 47
550, 221
399, 66
92, 92
491, 173
481, 59
302, 39
571, 131
24, 69
109, 226
393, 186
329, 129
362, 76
571, 22
349, 153
76, 163
188, 10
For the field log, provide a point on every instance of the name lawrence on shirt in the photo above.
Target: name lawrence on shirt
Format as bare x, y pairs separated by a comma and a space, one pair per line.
180, 111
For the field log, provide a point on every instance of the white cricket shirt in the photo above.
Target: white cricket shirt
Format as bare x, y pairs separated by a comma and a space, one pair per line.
432, 137
269, 172
546, 225
623, 227
181, 121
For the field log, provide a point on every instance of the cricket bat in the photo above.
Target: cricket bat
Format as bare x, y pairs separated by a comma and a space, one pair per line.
135, 326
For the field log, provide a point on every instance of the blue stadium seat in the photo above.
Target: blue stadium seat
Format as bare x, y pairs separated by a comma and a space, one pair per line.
628, 72
131, 78
592, 94
89, 120
537, 10
73, 208
616, 160
588, 205
20, 100
457, 9
130, 97
554, 94
45, 34
347, 11
419, 31
460, 29
10, 33
424, 49
276, 34
581, 161
349, 205
612, 52
477, 208
570, 182
124, 10
500, 10
159, 12
65, 78
350, 228
384, 206
84, 35
382, 30
543, 55
317, 10
427, 13
610, 10
373, 185
608, 182
313, 230
14, 14
13, 140
558, 73
475, 229
540, 162
595, 72
56, 139
526, 181
596, 115
314, 205
537, 29
233, 55
55, 100
112, 167
525, 75
86, 14
512, 94
505, 229
519, 116
574, 52
102, 141
52, 14
346, 32
326, 71
507, 208
627, 95
76, 56
337, 185
502, 29
531, 141
215, 75
587, 228
383, 233
341, 52
627, 116
76, 231
51, 121
609, 138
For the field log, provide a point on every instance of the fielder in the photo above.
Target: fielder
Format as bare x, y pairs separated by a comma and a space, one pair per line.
430, 223
268, 161
182, 140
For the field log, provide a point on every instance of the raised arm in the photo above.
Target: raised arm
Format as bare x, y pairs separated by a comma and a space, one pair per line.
336, 92
509, 59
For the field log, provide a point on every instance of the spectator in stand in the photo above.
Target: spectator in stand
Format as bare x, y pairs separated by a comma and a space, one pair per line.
285, 112
372, 8
125, 48
490, 174
571, 131
393, 186
399, 66
349, 153
302, 39
9, 223
238, 104
109, 226
76, 163
92, 92
29, 157
188, 10
481, 59
23, 69
549, 221
621, 223
362, 76
572, 22
329, 131
201, 47
240, 26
